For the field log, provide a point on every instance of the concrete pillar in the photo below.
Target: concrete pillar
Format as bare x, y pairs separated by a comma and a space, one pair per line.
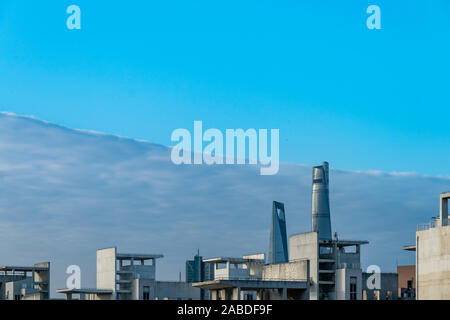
69, 296
237, 293
213, 294
285, 293
223, 294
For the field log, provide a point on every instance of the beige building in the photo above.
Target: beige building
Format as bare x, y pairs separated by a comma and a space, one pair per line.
433, 256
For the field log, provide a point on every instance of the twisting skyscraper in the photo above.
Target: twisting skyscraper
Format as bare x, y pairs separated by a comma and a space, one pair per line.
278, 251
321, 202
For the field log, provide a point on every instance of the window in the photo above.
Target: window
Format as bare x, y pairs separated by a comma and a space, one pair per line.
409, 284
353, 295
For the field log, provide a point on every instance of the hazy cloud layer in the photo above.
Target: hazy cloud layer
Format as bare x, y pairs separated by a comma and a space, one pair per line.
65, 193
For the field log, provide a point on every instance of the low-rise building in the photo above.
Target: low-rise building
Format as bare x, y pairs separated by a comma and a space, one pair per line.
25, 283
124, 276
247, 278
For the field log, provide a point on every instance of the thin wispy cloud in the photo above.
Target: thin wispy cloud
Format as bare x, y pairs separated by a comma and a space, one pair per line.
65, 193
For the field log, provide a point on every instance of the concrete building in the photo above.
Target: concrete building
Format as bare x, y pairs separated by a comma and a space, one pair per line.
197, 271
25, 283
335, 269
247, 278
433, 256
407, 282
278, 247
124, 276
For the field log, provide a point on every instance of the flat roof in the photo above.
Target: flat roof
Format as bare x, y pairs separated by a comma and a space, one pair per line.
22, 268
135, 256
84, 291
232, 260
251, 284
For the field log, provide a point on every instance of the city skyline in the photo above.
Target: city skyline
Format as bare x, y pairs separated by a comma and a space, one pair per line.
91, 190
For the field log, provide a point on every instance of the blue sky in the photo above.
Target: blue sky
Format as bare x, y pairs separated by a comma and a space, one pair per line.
371, 99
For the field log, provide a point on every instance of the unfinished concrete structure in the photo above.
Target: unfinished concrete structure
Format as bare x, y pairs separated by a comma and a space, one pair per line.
335, 268
25, 283
433, 256
124, 276
247, 278
278, 248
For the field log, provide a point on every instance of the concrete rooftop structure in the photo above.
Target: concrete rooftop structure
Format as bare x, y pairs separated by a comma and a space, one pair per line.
130, 276
25, 282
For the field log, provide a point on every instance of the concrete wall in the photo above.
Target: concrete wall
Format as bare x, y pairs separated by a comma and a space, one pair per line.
140, 271
255, 268
306, 246
13, 289
5, 279
433, 264
296, 270
44, 277
342, 283
137, 289
106, 269
168, 290
32, 296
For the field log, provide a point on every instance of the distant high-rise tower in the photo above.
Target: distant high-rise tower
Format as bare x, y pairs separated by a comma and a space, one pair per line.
278, 250
321, 202
199, 271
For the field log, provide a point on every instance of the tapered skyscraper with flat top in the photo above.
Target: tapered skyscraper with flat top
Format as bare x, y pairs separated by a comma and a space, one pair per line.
278, 250
321, 202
